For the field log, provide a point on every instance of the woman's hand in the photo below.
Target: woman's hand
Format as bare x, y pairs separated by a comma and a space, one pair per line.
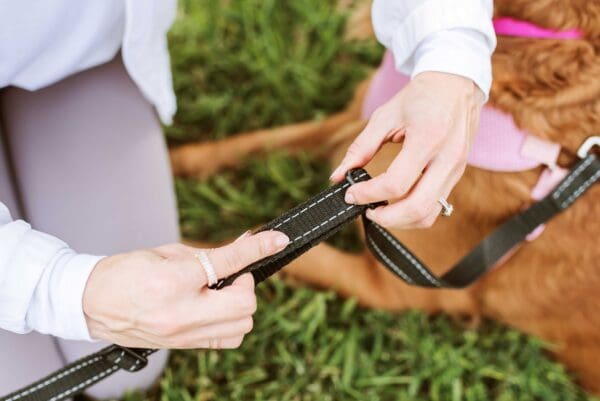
436, 115
158, 298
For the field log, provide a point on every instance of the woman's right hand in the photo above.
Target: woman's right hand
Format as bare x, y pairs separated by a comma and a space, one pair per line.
158, 298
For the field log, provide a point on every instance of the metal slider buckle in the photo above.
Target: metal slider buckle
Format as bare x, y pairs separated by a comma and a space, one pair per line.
587, 146
126, 358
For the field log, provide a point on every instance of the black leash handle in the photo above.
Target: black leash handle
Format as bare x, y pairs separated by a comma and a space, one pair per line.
309, 224
306, 225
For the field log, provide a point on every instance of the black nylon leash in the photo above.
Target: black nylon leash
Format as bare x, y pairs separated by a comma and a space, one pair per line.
315, 220
309, 224
397, 258
76, 377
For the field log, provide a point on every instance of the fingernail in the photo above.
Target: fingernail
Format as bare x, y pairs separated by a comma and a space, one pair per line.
244, 235
370, 214
281, 241
335, 172
349, 198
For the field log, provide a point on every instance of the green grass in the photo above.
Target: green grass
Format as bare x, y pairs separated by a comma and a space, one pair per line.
233, 201
246, 64
310, 345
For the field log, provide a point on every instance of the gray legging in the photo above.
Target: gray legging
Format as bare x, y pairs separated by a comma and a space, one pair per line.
84, 160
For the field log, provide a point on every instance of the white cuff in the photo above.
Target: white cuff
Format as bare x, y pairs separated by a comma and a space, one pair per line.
458, 51
454, 36
57, 304
438, 15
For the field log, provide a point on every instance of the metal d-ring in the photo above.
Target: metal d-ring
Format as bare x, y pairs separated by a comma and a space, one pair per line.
587, 146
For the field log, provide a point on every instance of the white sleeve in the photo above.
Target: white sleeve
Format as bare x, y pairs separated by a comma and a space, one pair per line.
41, 282
454, 36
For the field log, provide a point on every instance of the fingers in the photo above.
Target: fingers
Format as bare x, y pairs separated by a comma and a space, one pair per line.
203, 310
397, 181
221, 343
231, 258
420, 209
245, 250
379, 129
244, 281
215, 336
230, 303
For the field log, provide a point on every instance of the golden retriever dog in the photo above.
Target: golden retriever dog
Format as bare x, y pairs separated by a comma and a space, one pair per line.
550, 287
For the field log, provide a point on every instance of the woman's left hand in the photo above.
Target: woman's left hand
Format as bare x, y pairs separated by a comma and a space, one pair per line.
436, 115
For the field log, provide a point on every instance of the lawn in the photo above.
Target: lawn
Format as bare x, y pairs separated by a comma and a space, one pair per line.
246, 64
310, 345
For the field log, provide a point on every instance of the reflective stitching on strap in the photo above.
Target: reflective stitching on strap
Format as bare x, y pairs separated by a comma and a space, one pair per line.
132, 367
394, 267
323, 223
119, 358
85, 383
410, 257
55, 378
586, 184
571, 177
346, 185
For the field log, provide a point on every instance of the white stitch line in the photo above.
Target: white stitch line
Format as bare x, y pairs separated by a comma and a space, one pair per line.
581, 188
132, 367
394, 267
67, 372
53, 379
85, 383
415, 263
119, 358
570, 179
323, 223
346, 185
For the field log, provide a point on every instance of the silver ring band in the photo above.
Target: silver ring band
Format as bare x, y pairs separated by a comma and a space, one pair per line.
447, 208
211, 276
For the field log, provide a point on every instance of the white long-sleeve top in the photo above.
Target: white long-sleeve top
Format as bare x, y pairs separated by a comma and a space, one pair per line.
453, 36
42, 280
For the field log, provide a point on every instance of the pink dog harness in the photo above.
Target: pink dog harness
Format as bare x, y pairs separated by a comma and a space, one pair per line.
499, 144
513, 27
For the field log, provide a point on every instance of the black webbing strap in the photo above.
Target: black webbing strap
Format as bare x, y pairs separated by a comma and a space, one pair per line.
323, 215
397, 258
81, 374
306, 225
312, 222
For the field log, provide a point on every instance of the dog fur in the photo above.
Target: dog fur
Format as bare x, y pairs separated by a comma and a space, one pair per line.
550, 286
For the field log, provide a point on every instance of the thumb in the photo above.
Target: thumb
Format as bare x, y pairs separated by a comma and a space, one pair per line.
366, 144
244, 251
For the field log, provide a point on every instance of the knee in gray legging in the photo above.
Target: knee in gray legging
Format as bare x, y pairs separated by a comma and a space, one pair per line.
92, 168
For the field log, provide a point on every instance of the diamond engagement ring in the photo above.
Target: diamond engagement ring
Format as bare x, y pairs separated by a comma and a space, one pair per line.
447, 208
208, 268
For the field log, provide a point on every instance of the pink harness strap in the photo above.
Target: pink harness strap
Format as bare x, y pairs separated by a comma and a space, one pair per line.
513, 27
499, 144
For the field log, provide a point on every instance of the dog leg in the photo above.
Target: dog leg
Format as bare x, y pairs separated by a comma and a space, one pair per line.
204, 158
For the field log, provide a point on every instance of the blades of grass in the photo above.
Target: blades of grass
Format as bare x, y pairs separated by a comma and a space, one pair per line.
350, 346
383, 381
